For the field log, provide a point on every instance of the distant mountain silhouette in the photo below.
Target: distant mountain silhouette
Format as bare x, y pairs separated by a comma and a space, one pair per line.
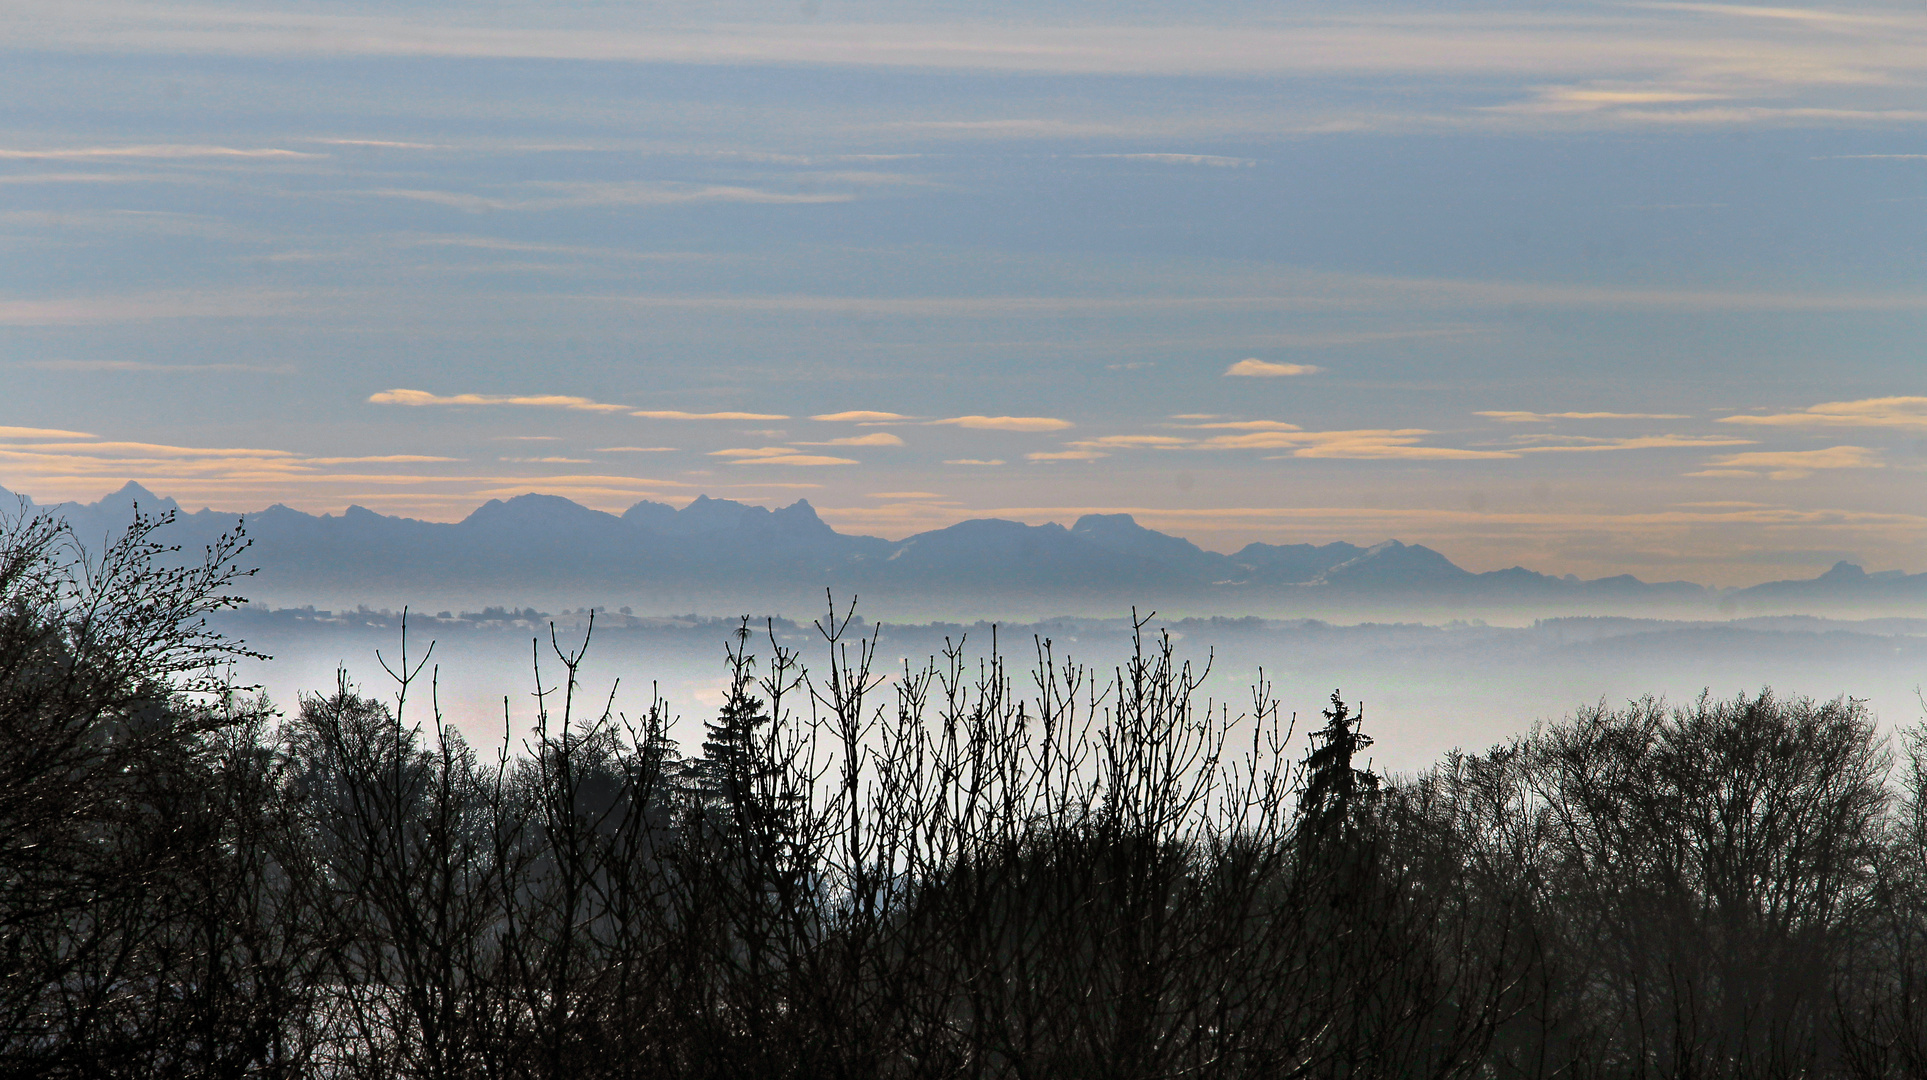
716, 550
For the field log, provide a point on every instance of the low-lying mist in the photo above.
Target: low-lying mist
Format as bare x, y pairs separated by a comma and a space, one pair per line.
1426, 688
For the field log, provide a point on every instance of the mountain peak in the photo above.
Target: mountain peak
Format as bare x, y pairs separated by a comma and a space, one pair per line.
131, 494
1395, 563
532, 510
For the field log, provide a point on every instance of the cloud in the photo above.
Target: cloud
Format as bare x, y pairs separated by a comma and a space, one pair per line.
1254, 367
777, 455
904, 495
547, 460
1067, 455
1153, 442
386, 144
1364, 444
159, 369
167, 150
1887, 412
1579, 444
635, 449
384, 459
142, 307
40, 433
675, 414
858, 415
1214, 160
1547, 418
1791, 464
973, 461
162, 449
1007, 423
569, 195
879, 438
1249, 425
418, 398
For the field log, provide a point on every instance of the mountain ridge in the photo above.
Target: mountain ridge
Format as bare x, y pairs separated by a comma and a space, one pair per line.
549, 543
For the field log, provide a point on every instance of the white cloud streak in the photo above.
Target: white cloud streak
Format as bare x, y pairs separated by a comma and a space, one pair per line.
1006, 423
1908, 413
879, 438
861, 416
422, 398
40, 433
1792, 464
1252, 367
1505, 417
164, 151
777, 455
1577, 444
677, 414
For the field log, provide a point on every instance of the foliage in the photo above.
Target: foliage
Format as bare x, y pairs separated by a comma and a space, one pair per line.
952, 870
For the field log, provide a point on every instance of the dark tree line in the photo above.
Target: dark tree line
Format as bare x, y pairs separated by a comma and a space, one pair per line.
960, 870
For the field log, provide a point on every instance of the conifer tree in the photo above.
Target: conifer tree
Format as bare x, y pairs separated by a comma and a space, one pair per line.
733, 785
1334, 789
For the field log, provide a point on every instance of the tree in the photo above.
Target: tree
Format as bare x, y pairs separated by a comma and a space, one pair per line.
1335, 790
128, 911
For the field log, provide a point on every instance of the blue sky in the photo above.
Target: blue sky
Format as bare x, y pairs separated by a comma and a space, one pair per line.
1595, 288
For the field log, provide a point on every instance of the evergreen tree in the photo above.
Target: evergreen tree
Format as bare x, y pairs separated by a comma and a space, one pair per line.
1334, 789
734, 785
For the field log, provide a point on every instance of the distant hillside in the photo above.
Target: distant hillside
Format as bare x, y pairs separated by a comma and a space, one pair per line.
716, 554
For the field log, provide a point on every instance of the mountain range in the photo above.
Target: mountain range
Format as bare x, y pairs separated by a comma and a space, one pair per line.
718, 555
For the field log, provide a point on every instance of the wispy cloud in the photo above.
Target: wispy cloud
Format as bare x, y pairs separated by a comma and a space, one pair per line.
1791, 464
974, 461
379, 144
74, 465
777, 455
1379, 444
861, 416
40, 433
677, 414
1405, 444
420, 398
1884, 412
1007, 423
1214, 160
1554, 444
1245, 425
160, 150
1067, 455
145, 307
155, 368
1153, 442
1505, 417
879, 438
635, 449
574, 196
1253, 367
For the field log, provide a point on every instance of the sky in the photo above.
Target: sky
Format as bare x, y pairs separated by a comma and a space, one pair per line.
1590, 287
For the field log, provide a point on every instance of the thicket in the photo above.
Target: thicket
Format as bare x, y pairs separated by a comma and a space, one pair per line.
960, 870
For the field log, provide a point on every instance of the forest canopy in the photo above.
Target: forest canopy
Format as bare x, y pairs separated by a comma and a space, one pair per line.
969, 867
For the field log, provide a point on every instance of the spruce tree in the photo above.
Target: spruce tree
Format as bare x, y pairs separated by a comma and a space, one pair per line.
1334, 789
